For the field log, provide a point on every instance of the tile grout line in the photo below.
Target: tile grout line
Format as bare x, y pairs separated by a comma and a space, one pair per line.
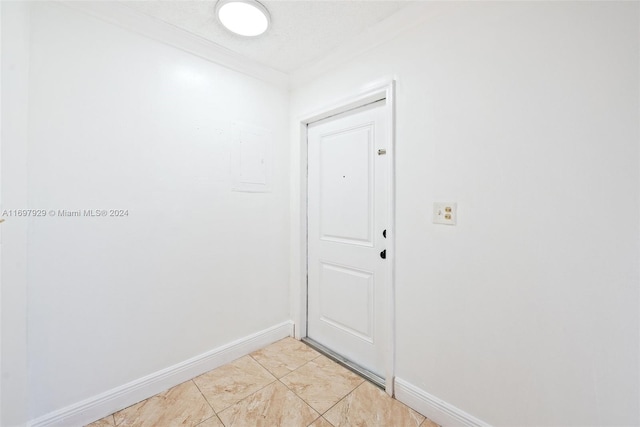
202, 394
310, 360
290, 372
343, 397
249, 395
347, 395
321, 413
301, 398
215, 414
227, 407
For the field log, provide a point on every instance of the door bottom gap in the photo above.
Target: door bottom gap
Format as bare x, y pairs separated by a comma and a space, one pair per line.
374, 379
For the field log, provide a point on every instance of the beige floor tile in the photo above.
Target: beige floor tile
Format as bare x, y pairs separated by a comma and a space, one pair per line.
321, 422
182, 405
274, 405
428, 423
232, 382
322, 383
211, 422
369, 406
107, 421
284, 356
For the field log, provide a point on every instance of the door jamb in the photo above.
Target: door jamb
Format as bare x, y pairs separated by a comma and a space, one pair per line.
384, 90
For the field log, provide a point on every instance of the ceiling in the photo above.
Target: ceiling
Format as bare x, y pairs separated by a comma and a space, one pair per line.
301, 31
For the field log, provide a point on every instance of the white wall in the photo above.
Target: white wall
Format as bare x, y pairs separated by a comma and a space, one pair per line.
15, 109
526, 114
117, 120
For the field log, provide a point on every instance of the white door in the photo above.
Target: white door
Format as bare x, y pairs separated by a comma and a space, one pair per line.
347, 216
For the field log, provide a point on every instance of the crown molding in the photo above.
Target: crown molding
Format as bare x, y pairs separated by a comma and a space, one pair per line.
385, 30
130, 19
125, 17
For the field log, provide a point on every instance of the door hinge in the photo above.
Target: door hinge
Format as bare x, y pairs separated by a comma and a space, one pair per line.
382, 152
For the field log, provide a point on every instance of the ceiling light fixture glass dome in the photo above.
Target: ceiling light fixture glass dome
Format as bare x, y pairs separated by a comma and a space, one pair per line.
244, 17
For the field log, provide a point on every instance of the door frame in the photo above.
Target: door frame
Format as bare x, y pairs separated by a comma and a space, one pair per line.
371, 93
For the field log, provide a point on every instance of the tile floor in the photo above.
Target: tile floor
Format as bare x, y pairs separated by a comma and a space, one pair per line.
285, 384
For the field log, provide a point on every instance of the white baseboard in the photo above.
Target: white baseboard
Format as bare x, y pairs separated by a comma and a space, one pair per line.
100, 406
433, 408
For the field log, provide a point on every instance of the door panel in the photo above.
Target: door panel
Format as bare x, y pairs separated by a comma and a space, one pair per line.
346, 300
347, 213
346, 185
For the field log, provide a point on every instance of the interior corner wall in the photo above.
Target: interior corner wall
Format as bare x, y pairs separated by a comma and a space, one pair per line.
121, 121
526, 115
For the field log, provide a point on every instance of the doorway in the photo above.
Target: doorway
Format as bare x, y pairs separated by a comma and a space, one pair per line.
349, 234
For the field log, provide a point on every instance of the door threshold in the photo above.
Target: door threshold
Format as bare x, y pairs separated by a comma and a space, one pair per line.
364, 373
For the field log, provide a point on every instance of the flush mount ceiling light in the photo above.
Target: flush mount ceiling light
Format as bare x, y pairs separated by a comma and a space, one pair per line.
245, 17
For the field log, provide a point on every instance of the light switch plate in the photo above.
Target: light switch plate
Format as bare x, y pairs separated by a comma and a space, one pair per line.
445, 213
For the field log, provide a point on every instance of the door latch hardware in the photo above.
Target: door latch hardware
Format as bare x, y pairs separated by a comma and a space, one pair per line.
384, 233
382, 152
383, 254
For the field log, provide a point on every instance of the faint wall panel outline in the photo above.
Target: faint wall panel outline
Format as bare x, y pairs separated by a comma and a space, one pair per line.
251, 158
